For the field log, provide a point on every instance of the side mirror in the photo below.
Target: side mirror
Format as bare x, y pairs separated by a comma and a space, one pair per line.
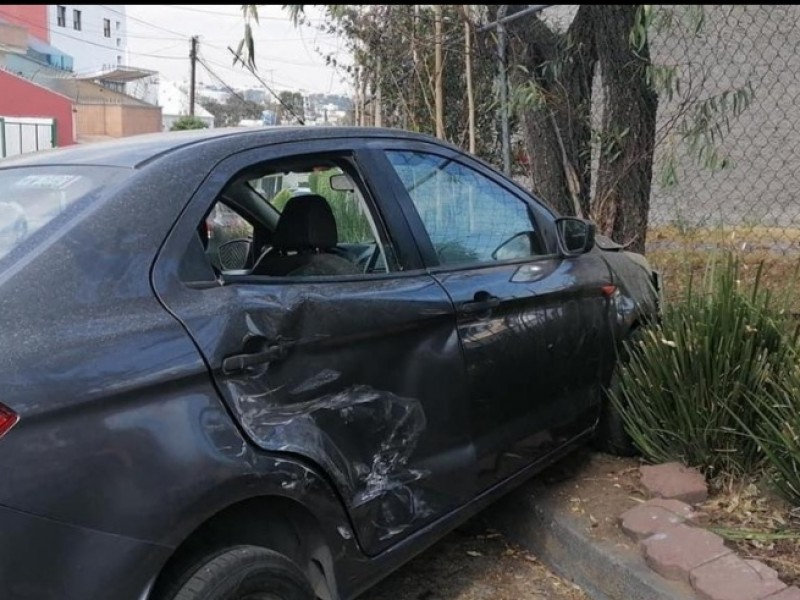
518, 246
341, 183
575, 236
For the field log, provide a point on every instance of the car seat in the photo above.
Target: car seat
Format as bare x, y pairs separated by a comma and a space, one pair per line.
304, 239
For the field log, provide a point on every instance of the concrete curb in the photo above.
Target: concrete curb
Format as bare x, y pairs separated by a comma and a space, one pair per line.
536, 520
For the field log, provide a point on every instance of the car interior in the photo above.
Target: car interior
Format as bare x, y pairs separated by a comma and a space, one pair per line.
304, 218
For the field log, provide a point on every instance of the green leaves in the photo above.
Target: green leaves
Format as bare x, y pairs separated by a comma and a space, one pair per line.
245, 50
709, 120
644, 19
188, 122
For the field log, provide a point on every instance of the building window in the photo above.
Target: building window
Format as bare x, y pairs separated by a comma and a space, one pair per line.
61, 15
107, 28
119, 42
76, 20
119, 59
117, 25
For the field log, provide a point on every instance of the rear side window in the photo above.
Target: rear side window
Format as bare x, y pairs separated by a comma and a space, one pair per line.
33, 197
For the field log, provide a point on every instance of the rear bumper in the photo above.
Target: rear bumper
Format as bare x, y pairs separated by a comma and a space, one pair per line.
41, 559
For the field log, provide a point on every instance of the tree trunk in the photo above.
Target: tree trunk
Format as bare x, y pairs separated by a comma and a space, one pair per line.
468, 74
438, 71
378, 96
557, 126
622, 198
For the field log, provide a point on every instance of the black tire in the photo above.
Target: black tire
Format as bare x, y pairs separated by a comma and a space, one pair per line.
242, 573
610, 435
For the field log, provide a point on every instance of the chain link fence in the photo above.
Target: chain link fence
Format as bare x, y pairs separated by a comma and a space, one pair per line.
726, 170
727, 164
742, 172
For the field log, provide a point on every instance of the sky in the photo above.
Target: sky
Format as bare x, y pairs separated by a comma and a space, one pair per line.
287, 57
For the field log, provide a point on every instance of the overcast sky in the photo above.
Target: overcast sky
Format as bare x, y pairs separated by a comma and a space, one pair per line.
286, 56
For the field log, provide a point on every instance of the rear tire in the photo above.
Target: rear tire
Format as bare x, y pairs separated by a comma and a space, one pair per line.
242, 573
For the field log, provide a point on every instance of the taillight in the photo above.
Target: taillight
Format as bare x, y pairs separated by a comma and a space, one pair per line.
8, 418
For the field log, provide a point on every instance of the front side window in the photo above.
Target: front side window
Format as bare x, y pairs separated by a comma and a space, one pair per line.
107, 28
468, 217
76, 20
61, 16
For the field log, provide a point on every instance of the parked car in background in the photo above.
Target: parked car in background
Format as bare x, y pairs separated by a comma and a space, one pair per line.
382, 357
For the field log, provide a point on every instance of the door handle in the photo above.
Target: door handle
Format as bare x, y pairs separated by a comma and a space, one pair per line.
240, 362
482, 302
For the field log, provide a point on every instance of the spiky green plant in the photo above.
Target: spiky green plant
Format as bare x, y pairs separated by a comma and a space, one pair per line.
690, 387
777, 433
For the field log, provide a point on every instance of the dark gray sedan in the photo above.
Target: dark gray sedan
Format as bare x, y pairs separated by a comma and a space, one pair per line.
278, 363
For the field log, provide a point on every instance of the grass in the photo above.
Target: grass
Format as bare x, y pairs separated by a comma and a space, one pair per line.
772, 253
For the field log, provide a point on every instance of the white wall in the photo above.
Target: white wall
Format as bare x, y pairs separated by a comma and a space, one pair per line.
89, 47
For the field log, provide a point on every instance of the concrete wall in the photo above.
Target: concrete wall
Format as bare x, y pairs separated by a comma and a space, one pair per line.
22, 98
33, 17
14, 37
116, 120
89, 47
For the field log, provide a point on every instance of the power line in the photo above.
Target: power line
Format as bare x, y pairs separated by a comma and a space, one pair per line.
269, 89
138, 20
220, 14
230, 69
270, 59
232, 91
105, 47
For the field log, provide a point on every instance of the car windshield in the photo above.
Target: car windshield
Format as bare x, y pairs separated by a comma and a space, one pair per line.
33, 197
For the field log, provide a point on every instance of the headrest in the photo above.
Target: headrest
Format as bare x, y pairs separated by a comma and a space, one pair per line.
306, 222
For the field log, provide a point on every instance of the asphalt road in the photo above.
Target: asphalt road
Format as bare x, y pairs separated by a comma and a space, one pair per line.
474, 563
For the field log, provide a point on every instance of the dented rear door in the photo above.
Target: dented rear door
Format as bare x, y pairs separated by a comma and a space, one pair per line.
362, 377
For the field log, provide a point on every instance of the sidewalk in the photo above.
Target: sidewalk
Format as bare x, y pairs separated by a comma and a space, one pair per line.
625, 533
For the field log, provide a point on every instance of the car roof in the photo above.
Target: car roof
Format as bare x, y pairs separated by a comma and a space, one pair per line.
135, 151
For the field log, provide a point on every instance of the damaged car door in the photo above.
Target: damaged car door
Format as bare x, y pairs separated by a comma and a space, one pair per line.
359, 373
533, 323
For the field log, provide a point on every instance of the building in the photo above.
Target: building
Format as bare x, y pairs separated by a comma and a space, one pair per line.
174, 102
82, 84
24, 101
94, 36
87, 40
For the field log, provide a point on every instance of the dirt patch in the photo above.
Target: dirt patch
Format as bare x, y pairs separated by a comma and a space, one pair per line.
474, 563
598, 487
757, 524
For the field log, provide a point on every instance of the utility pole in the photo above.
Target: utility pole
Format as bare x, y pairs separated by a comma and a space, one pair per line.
193, 60
502, 67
